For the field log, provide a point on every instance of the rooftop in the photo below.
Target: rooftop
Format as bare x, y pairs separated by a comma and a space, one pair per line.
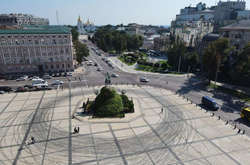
42, 29
241, 25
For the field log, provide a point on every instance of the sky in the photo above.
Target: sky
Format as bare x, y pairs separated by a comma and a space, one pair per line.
102, 12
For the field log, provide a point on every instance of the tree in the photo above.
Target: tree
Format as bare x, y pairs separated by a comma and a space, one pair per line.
81, 51
241, 69
175, 53
75, 34
215, 54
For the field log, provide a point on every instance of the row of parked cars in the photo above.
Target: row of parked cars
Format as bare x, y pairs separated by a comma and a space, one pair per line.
45, 76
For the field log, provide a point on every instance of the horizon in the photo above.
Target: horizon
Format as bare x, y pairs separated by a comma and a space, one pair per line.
113, 12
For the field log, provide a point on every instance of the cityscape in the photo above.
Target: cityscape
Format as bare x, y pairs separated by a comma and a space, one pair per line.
133, 92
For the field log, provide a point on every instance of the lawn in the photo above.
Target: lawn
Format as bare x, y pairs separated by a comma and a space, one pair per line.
122, 59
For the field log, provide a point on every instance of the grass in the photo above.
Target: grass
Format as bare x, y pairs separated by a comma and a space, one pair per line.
122, 59
235, 93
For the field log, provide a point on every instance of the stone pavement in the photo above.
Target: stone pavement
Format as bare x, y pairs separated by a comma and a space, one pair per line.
181, 134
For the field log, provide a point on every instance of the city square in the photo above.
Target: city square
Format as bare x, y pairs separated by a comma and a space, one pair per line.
165, 129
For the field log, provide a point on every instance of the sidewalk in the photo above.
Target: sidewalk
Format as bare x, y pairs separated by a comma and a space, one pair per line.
131, 69
240, 89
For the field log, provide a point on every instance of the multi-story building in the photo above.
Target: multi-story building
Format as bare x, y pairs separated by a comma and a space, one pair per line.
33, 49
238, 33
162, 43
192, 33
22, 19
228, 11
243, 14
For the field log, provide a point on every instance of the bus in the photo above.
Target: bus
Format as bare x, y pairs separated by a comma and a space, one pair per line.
245, 113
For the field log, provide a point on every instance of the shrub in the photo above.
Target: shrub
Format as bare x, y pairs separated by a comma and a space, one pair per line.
108, 104
128, 105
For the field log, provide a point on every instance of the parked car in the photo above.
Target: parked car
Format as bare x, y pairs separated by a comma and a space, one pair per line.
2, 92
41, 88
47, 77
114, 75
34, 77
39, 82
28, 86
144, 79
57, 82
21, 89
6, 89
20, 79
69, 74
209, 103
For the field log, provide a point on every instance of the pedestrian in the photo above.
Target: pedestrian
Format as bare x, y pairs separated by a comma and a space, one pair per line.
78, 129
32, 140
161, 110
167, 82
75, 130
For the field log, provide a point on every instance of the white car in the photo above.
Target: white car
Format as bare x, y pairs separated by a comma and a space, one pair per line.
114, 75
57, 82
70, 74
39, 82
144, 79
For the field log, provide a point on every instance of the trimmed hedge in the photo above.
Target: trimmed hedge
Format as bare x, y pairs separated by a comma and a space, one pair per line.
128, 105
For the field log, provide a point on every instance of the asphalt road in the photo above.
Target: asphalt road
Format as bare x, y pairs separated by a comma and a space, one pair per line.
192, 88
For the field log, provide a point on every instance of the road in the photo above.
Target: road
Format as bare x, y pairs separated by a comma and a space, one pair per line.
192, 88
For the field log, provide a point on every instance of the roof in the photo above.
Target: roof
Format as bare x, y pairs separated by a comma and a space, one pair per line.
211, 37
241, 25
209, 98
42, 29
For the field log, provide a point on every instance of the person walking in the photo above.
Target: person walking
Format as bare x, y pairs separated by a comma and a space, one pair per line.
162, 110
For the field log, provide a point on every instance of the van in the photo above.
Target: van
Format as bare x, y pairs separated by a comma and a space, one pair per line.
209, 103
245, 113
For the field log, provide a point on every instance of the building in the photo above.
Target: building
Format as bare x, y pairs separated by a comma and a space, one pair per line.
80, 27
22, 19
228, 11
194, 14
243, 14
192, 33
33, 49
162, 43
85, 28
238, 33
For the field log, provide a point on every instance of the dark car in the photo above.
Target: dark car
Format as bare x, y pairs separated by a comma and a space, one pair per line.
6, 89
209, 103
28, 86
21, 89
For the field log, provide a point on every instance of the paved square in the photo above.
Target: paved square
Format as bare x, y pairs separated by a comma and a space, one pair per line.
181, 134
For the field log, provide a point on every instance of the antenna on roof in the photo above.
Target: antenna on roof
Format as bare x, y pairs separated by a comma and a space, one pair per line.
57, 17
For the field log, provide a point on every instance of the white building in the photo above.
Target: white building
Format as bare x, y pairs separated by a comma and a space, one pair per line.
243, 14
33, 49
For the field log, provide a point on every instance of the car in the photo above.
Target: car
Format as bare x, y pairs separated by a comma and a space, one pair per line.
6, 89
41, 88
28, 86
70, 74
34, 77
21, 89
39, 82
2, 92
47, 77
99, 69
144, 79
57, 82
20, 79
209, 103
114, 75
96, 64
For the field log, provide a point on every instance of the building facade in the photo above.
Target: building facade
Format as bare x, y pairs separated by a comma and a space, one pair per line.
36, 49
22, 19
238, 33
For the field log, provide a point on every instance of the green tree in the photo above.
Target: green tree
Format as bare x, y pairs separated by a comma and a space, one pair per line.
81, 51
241, 69
215, 54
75, 34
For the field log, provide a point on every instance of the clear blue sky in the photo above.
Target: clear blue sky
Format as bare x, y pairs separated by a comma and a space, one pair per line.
154, 12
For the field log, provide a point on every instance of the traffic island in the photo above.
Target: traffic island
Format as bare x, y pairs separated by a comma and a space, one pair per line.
109, 104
